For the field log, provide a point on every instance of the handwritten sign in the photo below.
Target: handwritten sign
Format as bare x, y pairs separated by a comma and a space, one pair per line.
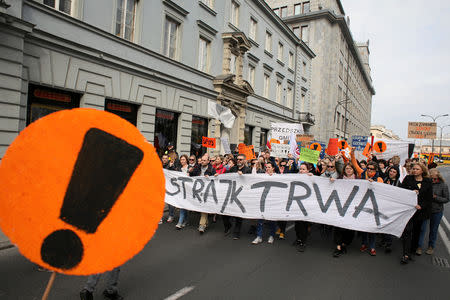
280, 150
248, 151
304, 139
422, 130
367, 150
208, 142
225, 145
282, 131
309, 155
359, 142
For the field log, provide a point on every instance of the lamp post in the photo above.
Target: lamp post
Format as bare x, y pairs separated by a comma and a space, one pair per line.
434, 120
440, 143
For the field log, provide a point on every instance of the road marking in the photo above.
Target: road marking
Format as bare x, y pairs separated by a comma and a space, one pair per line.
444, 238
180, 293
444, 219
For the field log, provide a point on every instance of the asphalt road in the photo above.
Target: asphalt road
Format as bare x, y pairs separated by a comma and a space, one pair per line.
216, 267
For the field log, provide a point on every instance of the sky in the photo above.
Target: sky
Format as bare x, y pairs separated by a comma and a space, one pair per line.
409, 58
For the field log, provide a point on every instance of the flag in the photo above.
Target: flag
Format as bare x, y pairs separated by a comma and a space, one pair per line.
294, 147
221, 113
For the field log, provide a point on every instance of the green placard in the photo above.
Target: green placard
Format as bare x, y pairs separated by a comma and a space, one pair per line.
309, 155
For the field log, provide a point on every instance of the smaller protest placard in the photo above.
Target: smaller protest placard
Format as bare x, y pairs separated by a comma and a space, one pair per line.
342, 144
304, 139
379, 146
359, 142
422, 130
316, 146
309, 155
280, 150
248, 151
332, 148
282, 131
367, 150
225, 145
208, 142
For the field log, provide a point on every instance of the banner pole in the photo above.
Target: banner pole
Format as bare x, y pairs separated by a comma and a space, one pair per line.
49, 286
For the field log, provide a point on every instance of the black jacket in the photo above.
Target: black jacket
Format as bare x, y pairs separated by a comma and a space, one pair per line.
244, 169
425, 197
197, 171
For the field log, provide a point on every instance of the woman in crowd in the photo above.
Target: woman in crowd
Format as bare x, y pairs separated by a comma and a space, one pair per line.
363, 164
440, 197
419, 182
393, 178
272, 224
382, 167
218, 165
184, 167
342, 236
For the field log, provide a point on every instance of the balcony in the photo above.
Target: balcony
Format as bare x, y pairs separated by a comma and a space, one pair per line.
306, 118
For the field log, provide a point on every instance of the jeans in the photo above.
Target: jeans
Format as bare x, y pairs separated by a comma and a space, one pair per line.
183, 215
368, 239
171, 210
435, 220
111, 284
301, 230
259, 228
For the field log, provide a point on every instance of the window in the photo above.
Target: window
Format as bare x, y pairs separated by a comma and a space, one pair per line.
124, 110
199, 129
166, 126
291, 60
268, 46
301, 8
305, 34
279, 92
64, 6
203, 54
209, 3
234, 13
338, 120
233, 64
251, 75
304, 69
252, 33
296, 31
171, 29
306, 7
283, 12
343, 123
125, 17
289, 97
248, 135
266, 85
297, 9
263, 138
276, 11
280, 51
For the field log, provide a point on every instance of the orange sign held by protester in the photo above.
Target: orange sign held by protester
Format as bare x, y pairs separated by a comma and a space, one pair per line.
208, 142
315, 146
367, 150
379, 146
274, 141
248, 151
81, 191
332, 148
342, 144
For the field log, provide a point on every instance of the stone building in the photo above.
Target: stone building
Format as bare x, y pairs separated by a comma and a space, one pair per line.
155, 63
341, 87
381, 132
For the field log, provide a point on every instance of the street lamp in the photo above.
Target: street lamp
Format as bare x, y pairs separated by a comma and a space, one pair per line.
434, 120
440, 144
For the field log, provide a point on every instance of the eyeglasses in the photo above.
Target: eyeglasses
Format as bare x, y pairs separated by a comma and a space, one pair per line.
331, 167
283, 165
191, 159
240, 159
373, 169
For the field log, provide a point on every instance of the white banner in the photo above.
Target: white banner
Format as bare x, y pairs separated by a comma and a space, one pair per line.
280, 150
225, 145
282, 131
354, 204
221, 113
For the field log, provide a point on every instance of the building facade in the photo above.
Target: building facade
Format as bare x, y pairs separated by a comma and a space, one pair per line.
155, 63
381, 132
341, 87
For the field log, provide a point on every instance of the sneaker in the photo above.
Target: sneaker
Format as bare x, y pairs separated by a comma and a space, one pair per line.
179, 226
270, 240
337, 252
236, 236
257, 240
278, 231
373, 252
112, 296
419, 251
160, 222
429, 251
86, 295
170, 219
363, 248
281, 236
201, 229
301, 247
404, 260
296, 243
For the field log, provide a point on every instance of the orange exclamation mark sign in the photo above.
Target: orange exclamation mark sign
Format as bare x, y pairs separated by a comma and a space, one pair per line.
102, 170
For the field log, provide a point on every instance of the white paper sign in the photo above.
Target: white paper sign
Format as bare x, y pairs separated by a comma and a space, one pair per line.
353, 204
280, 150
225, 145
282, 131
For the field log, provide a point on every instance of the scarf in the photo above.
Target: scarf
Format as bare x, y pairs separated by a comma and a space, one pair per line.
349, 177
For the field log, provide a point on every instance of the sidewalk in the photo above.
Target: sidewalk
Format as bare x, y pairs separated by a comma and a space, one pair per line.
4, 242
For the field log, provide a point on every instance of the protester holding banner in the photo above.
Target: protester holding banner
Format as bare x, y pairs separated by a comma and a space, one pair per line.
343, 237
184, 167
440, 197
169, 165
382, 168
218, 165
203, 169
393, 178
272, 224
419, 182
241, 169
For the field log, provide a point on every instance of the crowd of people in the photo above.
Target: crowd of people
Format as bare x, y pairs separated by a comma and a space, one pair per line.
415, 174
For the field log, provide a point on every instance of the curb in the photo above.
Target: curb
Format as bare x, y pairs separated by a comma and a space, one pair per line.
5, 245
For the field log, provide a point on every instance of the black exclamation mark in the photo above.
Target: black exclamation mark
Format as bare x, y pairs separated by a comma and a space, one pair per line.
380, 146
343, 144
103, 168
316, 146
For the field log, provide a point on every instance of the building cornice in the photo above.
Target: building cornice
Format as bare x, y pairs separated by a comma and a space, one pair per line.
282, 25
340, 20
